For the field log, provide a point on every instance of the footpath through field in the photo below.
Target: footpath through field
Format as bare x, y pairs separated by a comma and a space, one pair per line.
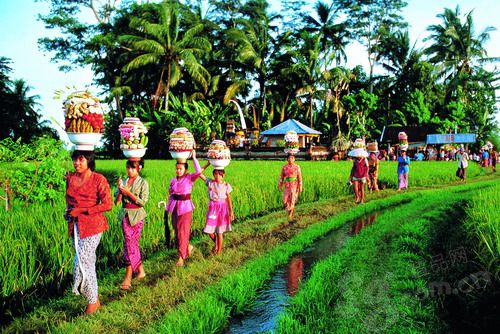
168, 291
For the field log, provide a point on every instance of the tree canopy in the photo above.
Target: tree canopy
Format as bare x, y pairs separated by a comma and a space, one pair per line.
279, 65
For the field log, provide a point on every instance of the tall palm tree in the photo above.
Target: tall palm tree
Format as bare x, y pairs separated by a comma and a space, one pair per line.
337, 80
459, 54
333, 36
456, 47
308, 68
255, 45
162, 42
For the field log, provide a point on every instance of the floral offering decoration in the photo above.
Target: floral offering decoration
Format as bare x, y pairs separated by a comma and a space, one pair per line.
291, 142
132, 134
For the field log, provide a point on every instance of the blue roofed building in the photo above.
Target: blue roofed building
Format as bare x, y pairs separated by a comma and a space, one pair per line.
306, 135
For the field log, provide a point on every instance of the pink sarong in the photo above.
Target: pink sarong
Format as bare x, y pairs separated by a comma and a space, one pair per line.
217, 218
182, 228
290, 194
403, 181
131, 237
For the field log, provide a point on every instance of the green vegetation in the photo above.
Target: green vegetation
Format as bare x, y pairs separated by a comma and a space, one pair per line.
227, 285
153, 55
255, 193
378, 281
483, 225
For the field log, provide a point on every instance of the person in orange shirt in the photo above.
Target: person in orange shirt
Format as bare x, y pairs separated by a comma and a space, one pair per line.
87, 198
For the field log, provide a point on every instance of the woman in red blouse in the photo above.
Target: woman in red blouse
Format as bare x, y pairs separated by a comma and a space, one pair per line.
359, 176
291, 184
87, 198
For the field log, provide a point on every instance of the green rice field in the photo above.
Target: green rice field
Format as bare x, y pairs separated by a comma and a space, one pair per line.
36, 253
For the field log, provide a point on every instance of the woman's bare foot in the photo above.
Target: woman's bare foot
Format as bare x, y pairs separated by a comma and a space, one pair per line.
125, 286
140, 273
92, 308
180, 262
190, 249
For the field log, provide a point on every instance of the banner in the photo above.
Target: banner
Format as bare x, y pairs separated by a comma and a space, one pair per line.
451, 138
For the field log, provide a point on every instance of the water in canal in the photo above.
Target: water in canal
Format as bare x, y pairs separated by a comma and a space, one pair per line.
285, 281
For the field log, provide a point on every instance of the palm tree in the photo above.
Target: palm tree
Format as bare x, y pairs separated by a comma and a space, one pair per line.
337, 80
255, 45
456, 47
333, 36
460, 53
163, 43
308, 68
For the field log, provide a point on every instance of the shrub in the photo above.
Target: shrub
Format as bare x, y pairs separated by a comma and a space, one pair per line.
37, 174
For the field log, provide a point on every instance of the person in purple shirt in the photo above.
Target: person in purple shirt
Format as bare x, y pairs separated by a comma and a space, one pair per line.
181, 207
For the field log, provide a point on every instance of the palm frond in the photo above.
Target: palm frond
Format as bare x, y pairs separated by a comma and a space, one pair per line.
142, 60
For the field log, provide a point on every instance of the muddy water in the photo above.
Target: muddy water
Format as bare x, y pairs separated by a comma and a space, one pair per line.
285, 281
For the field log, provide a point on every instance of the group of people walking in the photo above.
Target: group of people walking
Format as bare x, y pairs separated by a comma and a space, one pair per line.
88, 196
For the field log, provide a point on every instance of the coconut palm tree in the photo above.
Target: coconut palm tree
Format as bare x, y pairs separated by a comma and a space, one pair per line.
161, 42
456, 47
255, 45
308, 68
333, 36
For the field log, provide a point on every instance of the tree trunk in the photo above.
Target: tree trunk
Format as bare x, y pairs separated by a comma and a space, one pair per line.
167, 89
311, 109
118, 106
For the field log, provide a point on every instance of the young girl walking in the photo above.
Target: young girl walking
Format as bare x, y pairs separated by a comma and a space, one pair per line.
133, 193
359, 176
220, 208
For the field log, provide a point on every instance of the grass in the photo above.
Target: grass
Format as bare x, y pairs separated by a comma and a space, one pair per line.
165, 286
374, 284
39, 255
167, 289
483, 224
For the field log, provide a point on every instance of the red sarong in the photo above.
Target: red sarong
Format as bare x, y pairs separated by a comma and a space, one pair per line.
131, 237
182, 228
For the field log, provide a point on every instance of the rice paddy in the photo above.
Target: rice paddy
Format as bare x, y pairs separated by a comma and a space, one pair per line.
36, 253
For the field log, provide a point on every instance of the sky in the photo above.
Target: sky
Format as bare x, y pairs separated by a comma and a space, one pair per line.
20, 31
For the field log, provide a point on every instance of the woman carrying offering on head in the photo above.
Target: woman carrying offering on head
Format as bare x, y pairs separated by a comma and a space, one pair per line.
87, 198
403, 170
373, 165
291, 184
181, 207
359, 176
133, 193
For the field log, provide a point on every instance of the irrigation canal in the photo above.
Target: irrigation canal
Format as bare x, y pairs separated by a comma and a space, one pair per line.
285, 281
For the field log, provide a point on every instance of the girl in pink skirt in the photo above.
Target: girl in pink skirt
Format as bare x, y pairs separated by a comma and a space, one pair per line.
220, 208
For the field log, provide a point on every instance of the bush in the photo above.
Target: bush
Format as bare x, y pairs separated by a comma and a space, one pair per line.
37, 174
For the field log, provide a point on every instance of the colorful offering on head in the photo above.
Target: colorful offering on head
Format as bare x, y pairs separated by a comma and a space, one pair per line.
219, 154
372, 147
181, 144
133, 139
403, 141
181, 140
291, 142
132, 134
83, 120
358, 150
83, 113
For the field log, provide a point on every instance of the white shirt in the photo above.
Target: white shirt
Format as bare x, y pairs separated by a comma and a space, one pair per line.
463, 160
